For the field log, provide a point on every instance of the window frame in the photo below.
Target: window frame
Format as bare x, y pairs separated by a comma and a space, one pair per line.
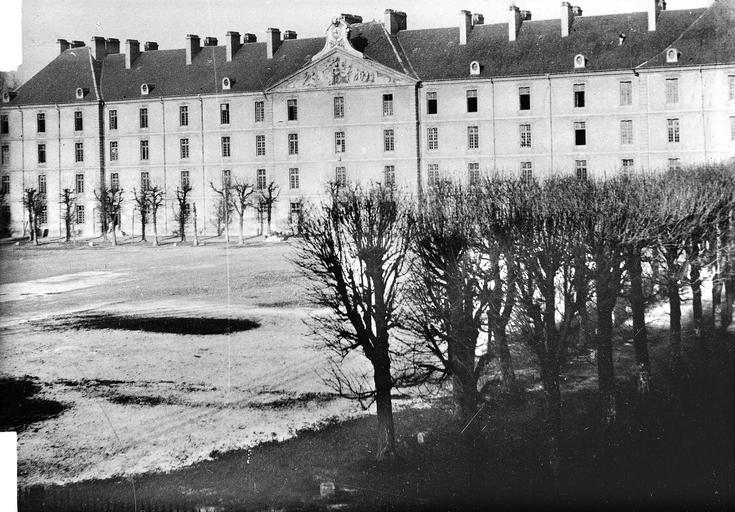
145, 150
626, 93
41, 153
432, 103
4, 124
432, 138
388, 107
473, 173
338, 104
524, 98
183, 115
225, 146
184, 149
292, 109
580, 129
112, 119
389, 140
527, 172
78, 121
261, 179
79, 183
472, 101
42, 184
114, 151
340, 176
673, 127
224, 113
259, 111
580, 169
389, 175
626, 132
78, 152
143, 117
260, 147
473, 137
184, 179
580, 95
671, 90
432, 174
340, 142
293, 178
293, 143
524, 133
40, 122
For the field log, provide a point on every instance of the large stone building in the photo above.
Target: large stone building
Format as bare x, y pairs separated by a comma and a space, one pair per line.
371, 101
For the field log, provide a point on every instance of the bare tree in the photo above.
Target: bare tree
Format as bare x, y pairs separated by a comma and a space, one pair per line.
33, 202
143, 202
353, 249
224, 207
67, 199
182, 214
110, 201
268, 197
4, 217
242, 193
155, 201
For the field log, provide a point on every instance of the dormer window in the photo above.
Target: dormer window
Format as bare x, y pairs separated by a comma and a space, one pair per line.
474, 68
672, 55
226, 84
80, 93
580, 62
144, 89
6, 97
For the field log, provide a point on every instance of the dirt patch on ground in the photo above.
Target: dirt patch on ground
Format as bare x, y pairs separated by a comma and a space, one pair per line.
288, 402
201, 326
19, 408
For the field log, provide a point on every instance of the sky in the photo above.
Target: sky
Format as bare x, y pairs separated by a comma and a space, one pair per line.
32, 41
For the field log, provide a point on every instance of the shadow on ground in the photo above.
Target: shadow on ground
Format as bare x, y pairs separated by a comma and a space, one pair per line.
18, 406
160, 324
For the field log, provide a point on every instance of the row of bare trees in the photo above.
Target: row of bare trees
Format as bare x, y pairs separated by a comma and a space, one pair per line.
431, 291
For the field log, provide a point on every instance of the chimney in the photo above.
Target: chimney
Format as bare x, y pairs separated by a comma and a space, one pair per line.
232, 43
514, 23
77, 44
350, 18
465, 26
273, 41
567, 18
289, 34
192, 47
394, 21
150, 46
97, 44
654, 9
478, 19
132, 51
63, 45
210, 41
112, 45
249, 38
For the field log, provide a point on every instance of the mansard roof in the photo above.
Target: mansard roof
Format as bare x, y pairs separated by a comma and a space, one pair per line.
702, 36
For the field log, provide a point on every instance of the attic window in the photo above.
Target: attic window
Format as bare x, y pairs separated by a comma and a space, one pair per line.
80, 93
6, 97
226, 84
580, 62
474, 68
672, 55
144, 89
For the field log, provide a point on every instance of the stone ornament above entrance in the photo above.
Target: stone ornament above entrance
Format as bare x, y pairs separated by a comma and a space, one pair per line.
340, 70
338, 36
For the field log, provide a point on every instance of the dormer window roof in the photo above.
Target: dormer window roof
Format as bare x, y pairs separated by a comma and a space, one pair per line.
80, 93
672, 55
226, 83
580, 62
145, 89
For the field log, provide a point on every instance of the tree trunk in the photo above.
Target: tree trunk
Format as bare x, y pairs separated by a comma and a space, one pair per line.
640, 332
674, 324
383, 386
269, 214
182, 223
35, 230
196, 232
67, 225
727, 309
717, 287
242, 236
227, 221
142, 227
605, 368
31, 231
696, 285
552, 399
500, 338
114, 233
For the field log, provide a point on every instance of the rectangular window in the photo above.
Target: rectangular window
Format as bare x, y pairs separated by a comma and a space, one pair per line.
731, 87
339, 142
259, 111
42, 153
472, 100
674, 164
226, 177
389, 140
339, 107
473, 173
473, 137
43, 217
78, 121
224, 113
580, 133
115, 181
144, 154
113, 151
293, 143
145, 180
5, 187
79, 151
340, 176
260, 145
672, 90
525, 130
433, 175
261, 179
580, 168
184, 148
390, 175
432, 137
579, 96
79, 184
673, 129
292, 108
293, 178
626, 132
41, 183
628, 165
732, 129
524, 98
143, 118
387, 104
5, 154
4, 124
183, 115
295, 210
184, 180
431, 103
225, 146
626, 93
527, 172
80, 214
41, 122
113, 119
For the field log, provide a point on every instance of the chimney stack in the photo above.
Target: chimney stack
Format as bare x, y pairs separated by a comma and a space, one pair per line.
514, 23
394, 21
150, 46
567, 18
232, 43
97, 44
654, 9
77, 44
289, 34
350, 18
273, 41
132, 51
478, 19
63, 45
465, 26
192, 47
249, 38
210, 41
112, 45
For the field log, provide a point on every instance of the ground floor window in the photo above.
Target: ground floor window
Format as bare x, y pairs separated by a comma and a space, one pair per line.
80, 214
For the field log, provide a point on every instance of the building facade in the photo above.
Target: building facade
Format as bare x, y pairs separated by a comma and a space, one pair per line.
369, 102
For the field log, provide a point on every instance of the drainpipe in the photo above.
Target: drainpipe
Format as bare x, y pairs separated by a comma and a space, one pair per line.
204, 177
103, 179
419, 188
23, 165
58, 173
495, 152
704, 118
551, 128
163, 136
